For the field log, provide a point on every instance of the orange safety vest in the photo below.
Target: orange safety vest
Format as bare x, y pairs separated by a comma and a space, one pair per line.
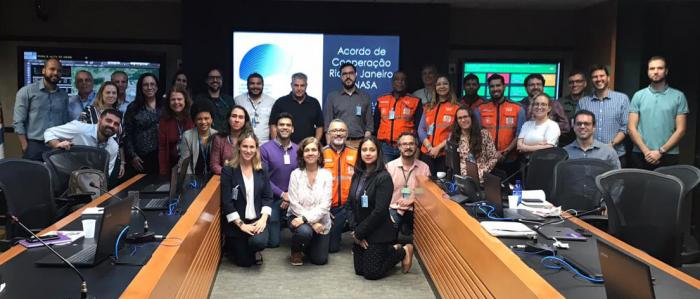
439, 121
479, 101
342, 166
396, 116
501, 121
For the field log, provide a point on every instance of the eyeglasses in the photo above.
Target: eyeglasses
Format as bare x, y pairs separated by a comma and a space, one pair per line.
407, 144
577, 81
214, 78
583, 123
335, 131
540, 105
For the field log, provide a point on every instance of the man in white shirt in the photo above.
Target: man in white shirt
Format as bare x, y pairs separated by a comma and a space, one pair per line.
97, 135
258, 105
429, 77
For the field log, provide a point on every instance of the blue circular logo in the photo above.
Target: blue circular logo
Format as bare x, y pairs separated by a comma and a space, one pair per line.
266, 60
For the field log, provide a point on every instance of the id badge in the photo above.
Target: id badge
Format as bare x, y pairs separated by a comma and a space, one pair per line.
446, 118
254, 121
287, 160
406, 111
364, 200
510, 120
430, 129
358, 110
234, 193
392, 114
405, 192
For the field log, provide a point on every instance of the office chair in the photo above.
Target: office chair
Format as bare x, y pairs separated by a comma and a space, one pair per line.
644, 210
62, 163
690, 176
538, 173
27, 188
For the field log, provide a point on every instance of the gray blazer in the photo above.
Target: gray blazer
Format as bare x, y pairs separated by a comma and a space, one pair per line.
189, 145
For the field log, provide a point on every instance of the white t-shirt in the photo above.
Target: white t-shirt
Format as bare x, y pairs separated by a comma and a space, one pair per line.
533, 134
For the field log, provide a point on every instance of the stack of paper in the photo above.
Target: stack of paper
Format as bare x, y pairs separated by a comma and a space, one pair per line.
508, 229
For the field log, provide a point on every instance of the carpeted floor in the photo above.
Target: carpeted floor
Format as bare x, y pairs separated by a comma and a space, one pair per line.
276, 278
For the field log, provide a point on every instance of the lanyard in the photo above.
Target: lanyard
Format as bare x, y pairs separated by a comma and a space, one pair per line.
255, 108
406, 177
202, 150
179, 130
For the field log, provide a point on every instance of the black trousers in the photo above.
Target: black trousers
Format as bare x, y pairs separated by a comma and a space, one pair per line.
375, 261
241, 249
35, 148
638, 161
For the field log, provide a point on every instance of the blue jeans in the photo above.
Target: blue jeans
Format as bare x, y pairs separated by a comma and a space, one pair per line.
241, 249
390, 153
274, 224
305, 239
341, 216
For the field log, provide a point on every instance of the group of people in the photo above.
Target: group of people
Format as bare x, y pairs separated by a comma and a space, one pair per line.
273, 165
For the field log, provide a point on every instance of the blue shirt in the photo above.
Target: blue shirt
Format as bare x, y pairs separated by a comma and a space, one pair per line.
272, 154
76, 105
37, 109
657, 115
611, 114
597, 150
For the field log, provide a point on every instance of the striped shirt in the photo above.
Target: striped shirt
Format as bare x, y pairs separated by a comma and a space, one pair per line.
611, 114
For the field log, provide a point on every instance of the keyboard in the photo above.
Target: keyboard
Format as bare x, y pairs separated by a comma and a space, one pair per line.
157, 203
84, 256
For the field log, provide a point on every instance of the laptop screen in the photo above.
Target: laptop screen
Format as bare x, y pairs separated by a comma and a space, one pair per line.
625, 276
115, 217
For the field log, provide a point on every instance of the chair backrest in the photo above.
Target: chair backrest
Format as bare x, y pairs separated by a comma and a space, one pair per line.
540, 168
62, 163
28, 192
644, 210
574, 185
688, 174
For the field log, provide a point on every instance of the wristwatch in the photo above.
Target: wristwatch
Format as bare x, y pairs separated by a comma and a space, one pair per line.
662, 150
304, 218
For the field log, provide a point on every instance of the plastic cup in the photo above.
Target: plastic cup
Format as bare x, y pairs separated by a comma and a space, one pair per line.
89, 228
441, 175
512, 201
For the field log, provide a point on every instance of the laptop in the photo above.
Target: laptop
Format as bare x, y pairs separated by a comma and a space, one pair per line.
492, 188
115, 217
150, 201
561, 233
625, 276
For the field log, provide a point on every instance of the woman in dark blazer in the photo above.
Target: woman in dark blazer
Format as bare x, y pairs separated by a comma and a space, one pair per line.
246, 198
375, 250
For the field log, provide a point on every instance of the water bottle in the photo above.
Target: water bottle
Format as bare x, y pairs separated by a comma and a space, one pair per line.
518, 191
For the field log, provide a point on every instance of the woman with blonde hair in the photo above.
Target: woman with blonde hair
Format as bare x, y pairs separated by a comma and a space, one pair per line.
436, 125
246, 199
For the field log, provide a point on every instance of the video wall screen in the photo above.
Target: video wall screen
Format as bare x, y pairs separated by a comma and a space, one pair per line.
276, 56
514, 74
100, 63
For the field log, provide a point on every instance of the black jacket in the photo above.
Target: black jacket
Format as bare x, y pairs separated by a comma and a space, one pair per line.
372, 223
232, 177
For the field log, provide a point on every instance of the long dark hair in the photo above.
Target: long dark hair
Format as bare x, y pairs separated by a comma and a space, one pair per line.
474, 132
227, 128
168, 112
140, 99
361, 166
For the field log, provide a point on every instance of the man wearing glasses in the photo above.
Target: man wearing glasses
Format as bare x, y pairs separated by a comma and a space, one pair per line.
340, 160
351, 105
577, 86
222, 102
585, 146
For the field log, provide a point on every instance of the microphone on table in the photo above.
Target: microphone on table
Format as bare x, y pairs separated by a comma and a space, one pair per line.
83, 285
135, 237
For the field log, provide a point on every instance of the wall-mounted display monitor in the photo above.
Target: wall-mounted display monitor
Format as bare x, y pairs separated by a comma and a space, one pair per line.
276, 56
514, 74
98, 62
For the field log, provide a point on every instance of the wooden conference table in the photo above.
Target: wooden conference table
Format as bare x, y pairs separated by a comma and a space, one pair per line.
183, 265
464, 261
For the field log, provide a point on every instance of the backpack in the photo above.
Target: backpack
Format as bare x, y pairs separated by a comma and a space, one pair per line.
79, 182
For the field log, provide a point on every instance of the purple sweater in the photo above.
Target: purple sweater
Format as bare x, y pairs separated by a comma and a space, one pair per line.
273, 157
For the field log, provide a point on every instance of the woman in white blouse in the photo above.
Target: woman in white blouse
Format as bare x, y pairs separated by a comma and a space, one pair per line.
309, 205
540, 132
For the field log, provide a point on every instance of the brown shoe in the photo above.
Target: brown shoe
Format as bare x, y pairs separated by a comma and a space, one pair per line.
297, 258
258, 258
407, 259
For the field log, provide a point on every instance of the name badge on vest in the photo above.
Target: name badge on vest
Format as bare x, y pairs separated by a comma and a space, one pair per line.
364, 200
358, 110
446, 118
406, 111
510, 120
391, 114
430, 129
287, 160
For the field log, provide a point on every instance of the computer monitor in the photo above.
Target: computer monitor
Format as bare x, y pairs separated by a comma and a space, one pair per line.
625, 276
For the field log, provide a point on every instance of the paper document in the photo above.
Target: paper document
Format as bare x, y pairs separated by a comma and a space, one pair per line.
508, 229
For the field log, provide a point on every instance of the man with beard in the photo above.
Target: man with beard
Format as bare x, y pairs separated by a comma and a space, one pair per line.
258, 105
84, 97
340, 160
96, 135
222, 102
657, 119
534, 85
404, 172
121, 80
429, 77
585, 146
280, 158
306, 110
39, 106
397, 112
471, 96
577, 86
351, 105
611, 109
